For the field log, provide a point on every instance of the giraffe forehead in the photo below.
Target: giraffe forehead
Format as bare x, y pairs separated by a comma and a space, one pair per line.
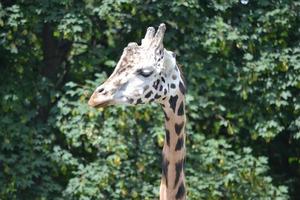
128, 67
126, 64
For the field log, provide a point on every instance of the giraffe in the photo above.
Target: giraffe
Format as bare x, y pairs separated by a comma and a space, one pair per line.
148, 73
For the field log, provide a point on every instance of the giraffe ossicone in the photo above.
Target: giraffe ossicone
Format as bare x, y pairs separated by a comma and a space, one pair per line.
149, 73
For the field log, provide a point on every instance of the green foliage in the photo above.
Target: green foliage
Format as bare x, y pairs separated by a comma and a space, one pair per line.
242, 66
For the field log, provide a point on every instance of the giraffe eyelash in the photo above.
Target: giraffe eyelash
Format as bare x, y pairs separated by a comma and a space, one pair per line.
144, 73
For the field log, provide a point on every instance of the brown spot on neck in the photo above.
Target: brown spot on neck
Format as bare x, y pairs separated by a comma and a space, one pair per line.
174, 148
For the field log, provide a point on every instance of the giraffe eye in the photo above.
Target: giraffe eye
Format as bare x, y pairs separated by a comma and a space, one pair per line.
144, 73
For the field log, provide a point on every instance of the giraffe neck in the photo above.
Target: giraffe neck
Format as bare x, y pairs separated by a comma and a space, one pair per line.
173, 155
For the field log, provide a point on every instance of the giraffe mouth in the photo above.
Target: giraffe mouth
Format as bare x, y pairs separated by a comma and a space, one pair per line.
101, 104
98, 101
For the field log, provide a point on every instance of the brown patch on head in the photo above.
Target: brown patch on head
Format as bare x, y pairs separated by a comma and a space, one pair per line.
148, 94
139, 101
117, 82
121, 69
130, 56
155, 84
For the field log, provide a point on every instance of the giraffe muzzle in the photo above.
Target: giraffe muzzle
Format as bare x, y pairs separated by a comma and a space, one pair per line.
98, 100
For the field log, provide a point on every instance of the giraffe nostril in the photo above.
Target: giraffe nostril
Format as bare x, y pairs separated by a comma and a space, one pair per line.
100, 90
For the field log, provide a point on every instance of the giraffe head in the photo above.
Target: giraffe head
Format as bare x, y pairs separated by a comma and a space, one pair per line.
144, 73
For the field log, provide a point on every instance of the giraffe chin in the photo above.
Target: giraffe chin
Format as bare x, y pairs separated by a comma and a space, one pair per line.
107, 103
102, 105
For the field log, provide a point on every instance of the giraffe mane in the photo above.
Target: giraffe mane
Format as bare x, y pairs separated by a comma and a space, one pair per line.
180, 67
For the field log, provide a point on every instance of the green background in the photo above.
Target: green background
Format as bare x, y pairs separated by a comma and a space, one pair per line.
242, 66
